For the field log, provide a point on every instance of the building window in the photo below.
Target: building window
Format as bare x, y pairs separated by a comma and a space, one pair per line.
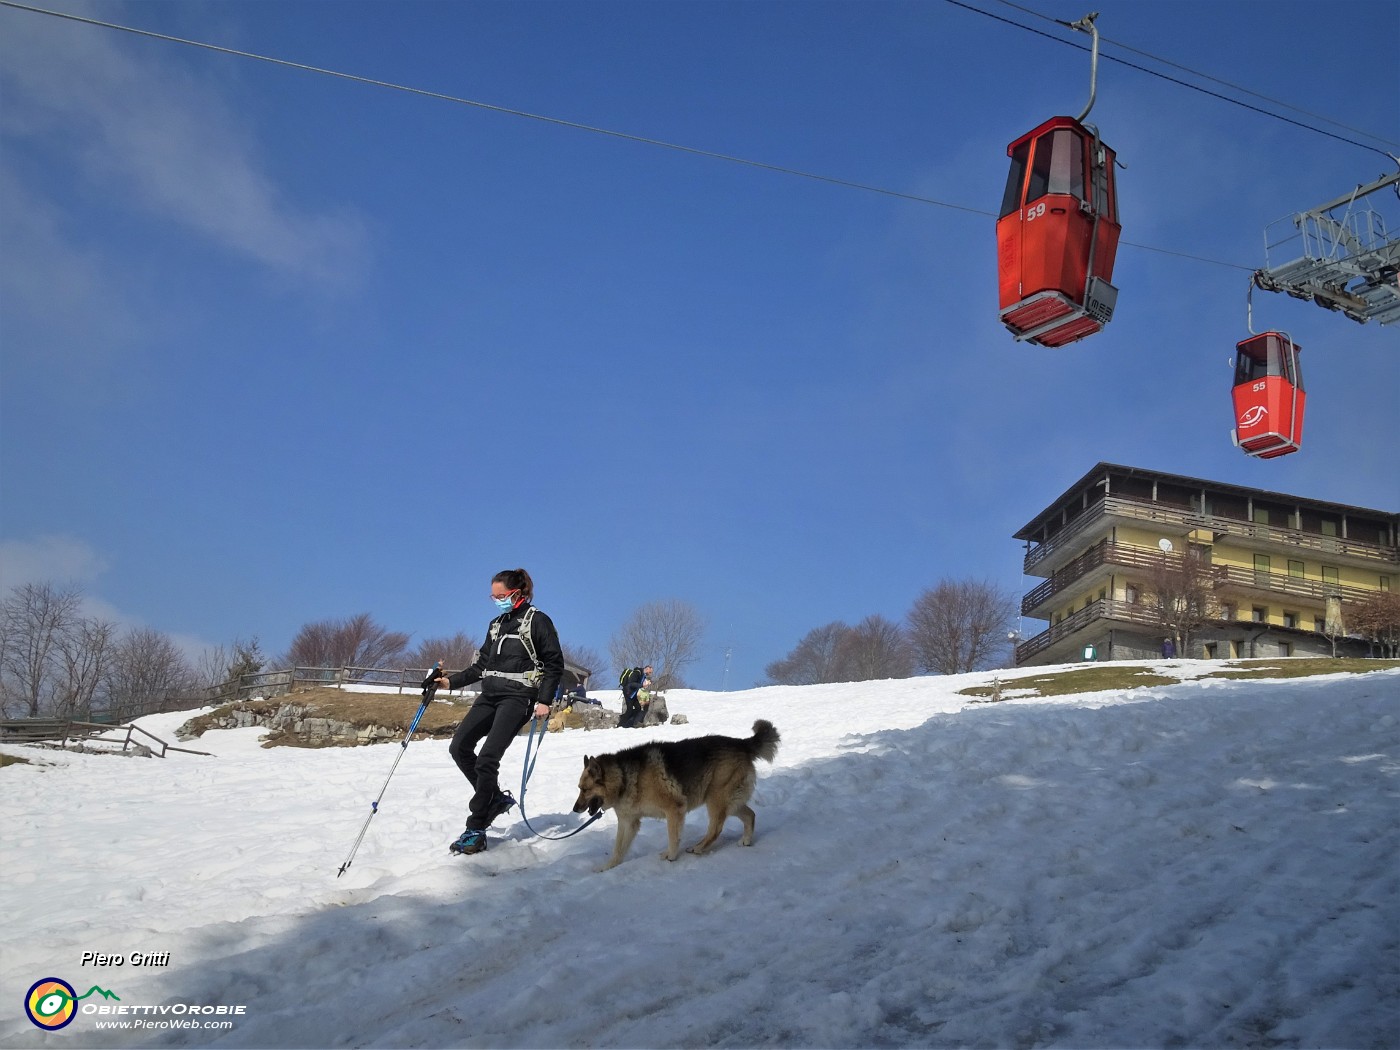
1295, 568
1227, 611
1210, 651
1290, 619
1385, 583
1261, 515
1285, 648
1320, 624
1329, 528
1130, 594
1261, 569
1329, 574
1261, 614
1104, 592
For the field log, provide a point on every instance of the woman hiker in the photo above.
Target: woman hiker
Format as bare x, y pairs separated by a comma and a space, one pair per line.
519, 668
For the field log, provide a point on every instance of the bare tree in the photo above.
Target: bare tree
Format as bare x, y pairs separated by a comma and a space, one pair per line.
960, 626
873, 649
1377, 619
582, 656
36, 617
355, 642
211, 669
813, 660
665, 634
1181, 590
84, 652
146, 667
455, 652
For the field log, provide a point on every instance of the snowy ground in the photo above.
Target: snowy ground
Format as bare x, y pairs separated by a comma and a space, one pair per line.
1210, 864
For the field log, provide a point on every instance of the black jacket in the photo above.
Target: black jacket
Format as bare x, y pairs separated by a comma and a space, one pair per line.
504, 651
632, 682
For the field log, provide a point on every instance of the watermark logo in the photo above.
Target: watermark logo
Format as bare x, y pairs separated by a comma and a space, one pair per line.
52, 1003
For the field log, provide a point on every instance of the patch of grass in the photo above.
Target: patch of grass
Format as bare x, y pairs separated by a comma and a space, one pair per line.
1136, 676
1301, 667
11, 760
1080, 680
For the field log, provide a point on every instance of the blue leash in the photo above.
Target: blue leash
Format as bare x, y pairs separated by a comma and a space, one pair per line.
525, 773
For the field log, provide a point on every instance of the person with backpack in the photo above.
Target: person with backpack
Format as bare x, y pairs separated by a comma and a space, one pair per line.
519, 668
631, 681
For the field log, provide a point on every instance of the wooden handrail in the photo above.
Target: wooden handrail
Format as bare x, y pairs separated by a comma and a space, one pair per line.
1182, 517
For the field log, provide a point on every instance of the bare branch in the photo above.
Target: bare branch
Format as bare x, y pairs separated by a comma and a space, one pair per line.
665, 634
960, 626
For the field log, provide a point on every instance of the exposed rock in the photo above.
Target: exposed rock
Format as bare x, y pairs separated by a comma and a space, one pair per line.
656, 713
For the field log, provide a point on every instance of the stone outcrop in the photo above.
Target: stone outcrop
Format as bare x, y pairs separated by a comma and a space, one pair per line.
292, 724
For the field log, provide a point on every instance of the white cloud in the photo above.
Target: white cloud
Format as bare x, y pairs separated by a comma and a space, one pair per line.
66, 561
61, 560
145, 132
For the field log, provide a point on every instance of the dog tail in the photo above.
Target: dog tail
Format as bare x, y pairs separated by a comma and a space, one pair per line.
764, 742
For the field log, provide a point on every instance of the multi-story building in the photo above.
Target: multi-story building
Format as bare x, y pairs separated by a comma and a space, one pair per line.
1272, 562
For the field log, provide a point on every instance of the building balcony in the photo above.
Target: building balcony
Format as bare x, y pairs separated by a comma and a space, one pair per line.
1103, 609
1236, 579
1041, 559
1225, 579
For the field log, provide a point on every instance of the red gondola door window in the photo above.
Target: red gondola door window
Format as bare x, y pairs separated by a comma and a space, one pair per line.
1057, 235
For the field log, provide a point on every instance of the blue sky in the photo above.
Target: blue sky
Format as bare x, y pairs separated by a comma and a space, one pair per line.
278, 347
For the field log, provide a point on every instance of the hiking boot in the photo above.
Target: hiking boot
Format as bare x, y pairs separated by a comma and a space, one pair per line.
502, 804
470, 841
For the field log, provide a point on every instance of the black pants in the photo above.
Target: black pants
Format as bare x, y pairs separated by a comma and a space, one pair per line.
498, 719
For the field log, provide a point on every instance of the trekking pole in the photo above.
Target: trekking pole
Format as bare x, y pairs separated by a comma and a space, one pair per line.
527, 769
429, 689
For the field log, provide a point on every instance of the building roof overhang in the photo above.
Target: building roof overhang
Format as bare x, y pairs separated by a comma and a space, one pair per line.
1030, 530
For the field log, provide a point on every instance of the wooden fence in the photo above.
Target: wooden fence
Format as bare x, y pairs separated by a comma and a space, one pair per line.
38, 730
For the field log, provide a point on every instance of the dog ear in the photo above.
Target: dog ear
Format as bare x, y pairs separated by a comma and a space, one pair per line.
587, 759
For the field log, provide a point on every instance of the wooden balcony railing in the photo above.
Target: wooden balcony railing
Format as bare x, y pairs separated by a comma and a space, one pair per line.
1146, 560
1181, 518
1104, 608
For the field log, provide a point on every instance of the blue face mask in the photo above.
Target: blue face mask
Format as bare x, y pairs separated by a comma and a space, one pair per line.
504, 604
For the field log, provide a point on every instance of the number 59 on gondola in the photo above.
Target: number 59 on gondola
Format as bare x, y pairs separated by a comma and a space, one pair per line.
1057, 231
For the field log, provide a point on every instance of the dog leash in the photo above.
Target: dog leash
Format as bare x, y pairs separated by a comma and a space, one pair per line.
529, 768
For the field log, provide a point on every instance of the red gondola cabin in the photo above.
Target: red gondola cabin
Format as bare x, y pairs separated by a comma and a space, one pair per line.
1269, 396
1057, 234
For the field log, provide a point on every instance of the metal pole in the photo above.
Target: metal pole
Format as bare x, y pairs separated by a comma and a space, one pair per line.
429, 688
1086, 25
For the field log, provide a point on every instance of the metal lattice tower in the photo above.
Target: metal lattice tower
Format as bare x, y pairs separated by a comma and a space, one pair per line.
1348, 263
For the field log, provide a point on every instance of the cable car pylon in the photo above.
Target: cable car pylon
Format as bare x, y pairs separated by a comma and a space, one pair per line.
1057, 230
1349, 263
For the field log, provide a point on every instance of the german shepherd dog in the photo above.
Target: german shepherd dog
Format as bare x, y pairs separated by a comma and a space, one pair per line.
670, 778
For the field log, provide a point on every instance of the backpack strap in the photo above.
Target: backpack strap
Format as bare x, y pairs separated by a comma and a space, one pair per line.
527, 640
529, 677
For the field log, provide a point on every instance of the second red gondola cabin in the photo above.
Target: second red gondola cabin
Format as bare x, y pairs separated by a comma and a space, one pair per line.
1268, 395
1057, 234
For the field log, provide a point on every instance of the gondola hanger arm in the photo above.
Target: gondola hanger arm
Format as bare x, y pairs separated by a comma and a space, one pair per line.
1086, 25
